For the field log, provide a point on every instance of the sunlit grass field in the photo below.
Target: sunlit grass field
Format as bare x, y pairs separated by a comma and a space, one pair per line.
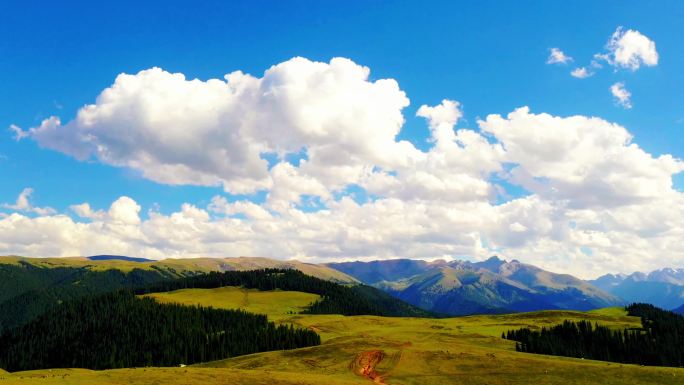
368, 349
276, 304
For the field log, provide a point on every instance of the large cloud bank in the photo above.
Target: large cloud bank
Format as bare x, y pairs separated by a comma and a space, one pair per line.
321, 140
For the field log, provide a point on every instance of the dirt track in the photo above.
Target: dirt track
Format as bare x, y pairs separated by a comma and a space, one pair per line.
364, 364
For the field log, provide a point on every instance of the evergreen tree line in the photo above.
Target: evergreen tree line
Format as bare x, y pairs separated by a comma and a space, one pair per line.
335, 298
659, 341
27, 291
118, 330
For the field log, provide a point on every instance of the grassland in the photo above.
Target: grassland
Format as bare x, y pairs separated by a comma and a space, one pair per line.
278, 305
366, 349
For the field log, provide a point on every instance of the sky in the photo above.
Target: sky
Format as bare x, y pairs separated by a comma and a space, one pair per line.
547, 132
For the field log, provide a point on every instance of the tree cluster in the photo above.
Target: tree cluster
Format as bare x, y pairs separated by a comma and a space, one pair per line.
659, 341
27, 291
336, 298
118, 330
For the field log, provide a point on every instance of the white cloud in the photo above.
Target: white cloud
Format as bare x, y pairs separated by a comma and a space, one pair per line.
580, 161
442, 119
589, 185
581, 73
179, 131
84, 210
621, 94
220, 205
625, 49
124, 211
19, 134
23, 204
558, 57
630, 49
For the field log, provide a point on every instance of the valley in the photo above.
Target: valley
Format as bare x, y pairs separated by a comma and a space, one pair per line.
381, 350
356, 349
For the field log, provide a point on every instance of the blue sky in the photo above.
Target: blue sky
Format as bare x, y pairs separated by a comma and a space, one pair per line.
490, 56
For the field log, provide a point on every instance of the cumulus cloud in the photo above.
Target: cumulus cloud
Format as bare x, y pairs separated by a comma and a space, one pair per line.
23, 203
625, 49
179, 131
220, 205
558, 57
630, 49
621, 94
581, 73
84, 210
581, 161
442, 119
355, 191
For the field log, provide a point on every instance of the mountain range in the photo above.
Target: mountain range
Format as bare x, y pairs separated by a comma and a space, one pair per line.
491, 286
444, 287
663, 288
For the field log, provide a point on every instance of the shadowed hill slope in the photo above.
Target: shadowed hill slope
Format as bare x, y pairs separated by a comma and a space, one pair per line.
31, 286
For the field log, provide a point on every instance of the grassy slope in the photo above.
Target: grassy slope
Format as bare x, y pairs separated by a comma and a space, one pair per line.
178, 266
466, 350
610, 311
277, 304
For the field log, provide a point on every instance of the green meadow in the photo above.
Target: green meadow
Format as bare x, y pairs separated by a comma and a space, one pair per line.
381, 350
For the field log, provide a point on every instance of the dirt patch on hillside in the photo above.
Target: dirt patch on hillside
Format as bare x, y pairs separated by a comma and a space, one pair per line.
365, 363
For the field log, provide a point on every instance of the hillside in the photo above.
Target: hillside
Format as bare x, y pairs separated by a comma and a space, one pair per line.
31, 286
354, 350
491, 286
182, 267
119, 330
28, 290
657, 343
277, 304
334, 297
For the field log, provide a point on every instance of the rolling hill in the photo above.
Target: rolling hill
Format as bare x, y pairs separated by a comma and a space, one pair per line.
371, 349
382, 350
175, 268
31, 286
491, 286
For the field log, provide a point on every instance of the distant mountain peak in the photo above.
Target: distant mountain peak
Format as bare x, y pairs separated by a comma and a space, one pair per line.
492, 264
492, 285
663, 288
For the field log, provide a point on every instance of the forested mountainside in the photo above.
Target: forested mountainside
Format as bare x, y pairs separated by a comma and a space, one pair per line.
84, 329
28, 291
31, 286
336, 298
491, 286
659, 341
119, 330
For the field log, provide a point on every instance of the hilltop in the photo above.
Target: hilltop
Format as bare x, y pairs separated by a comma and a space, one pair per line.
181, 267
